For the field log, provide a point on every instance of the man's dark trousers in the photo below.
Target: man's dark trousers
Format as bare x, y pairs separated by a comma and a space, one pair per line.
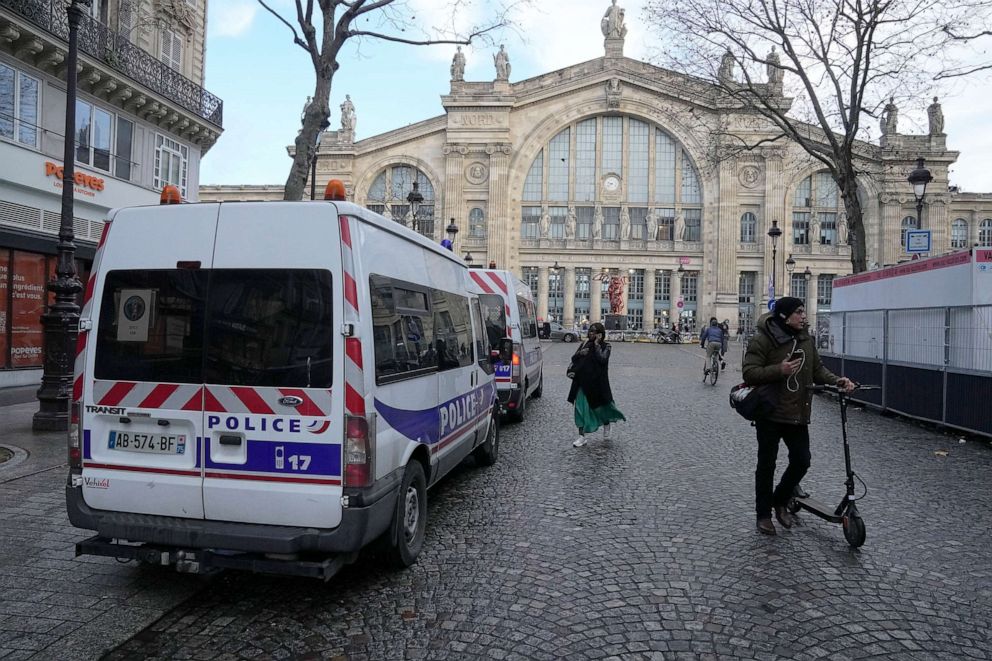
796, 438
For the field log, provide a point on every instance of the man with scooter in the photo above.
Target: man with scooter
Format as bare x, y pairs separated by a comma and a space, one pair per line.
783, 356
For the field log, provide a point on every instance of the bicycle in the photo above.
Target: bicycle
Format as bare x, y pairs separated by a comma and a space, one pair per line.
713, 371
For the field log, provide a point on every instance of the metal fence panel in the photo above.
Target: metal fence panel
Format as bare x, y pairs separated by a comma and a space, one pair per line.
916, 336
863, 334
970, 338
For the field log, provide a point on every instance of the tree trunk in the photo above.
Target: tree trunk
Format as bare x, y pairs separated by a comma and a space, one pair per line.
316, 115
855, 219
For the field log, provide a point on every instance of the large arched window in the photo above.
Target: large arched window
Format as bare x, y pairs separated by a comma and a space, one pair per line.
604, 176
908, 223
985, 233
815, 202
959, 233
389, 192
749, 227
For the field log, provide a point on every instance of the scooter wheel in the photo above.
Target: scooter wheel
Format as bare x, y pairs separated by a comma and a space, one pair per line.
854, 530
793, 505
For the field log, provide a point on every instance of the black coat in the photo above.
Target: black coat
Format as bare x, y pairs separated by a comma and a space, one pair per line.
592, 374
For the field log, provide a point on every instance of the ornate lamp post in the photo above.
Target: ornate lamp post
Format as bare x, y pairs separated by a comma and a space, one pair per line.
313, 160
414, 199
556, 269
919, 178
773, 233
808, 275
61, 320
452, 231
790, 266
467, 257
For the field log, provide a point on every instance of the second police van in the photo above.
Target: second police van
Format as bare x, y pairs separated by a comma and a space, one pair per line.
509, 311
272, 386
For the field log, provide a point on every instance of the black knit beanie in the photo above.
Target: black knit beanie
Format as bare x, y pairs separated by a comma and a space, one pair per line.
785, 306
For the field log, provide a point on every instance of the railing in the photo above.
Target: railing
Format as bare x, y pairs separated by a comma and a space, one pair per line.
116, 51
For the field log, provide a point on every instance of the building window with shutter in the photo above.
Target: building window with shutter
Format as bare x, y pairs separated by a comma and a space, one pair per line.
172, 49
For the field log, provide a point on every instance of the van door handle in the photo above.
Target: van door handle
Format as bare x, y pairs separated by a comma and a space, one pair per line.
230, 439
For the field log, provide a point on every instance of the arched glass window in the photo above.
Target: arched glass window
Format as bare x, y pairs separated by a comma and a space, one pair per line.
749, 227
388, 195
816, 194
959, 233
613, 173
908, 223
477, 223
985, 233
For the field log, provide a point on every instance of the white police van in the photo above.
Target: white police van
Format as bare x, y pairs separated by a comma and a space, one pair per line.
272, 386
509, 311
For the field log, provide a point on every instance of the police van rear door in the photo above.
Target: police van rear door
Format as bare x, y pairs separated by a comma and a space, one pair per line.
273, 431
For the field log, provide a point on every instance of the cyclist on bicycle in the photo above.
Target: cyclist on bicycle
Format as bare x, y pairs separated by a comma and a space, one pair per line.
713, 339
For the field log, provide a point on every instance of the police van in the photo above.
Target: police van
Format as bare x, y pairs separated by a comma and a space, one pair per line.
272, 386
509, 311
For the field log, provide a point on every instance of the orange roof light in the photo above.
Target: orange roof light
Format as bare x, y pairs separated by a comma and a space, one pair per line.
334, 190
170, 195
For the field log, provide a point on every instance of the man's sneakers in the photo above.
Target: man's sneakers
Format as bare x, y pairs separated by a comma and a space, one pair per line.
723, 365
580, 441
784, 516
766, 527
606, 432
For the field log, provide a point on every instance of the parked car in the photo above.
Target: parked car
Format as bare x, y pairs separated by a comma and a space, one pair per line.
559, 332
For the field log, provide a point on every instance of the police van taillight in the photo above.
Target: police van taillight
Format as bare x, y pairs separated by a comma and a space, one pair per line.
358, 451
516, 362
75, 438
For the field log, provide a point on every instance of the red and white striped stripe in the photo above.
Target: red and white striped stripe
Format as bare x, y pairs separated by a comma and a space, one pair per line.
354, 377
86, 313
490, 282
213, 399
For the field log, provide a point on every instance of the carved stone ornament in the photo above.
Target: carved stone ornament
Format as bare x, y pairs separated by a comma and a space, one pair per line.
614, 93
181, 10
476, 173
749, 176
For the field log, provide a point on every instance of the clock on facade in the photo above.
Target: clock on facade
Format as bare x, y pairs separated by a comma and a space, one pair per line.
611, 184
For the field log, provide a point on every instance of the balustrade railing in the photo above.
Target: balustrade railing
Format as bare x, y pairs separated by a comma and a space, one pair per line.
117, 52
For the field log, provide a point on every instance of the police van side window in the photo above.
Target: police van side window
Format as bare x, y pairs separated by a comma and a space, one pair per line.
528, 320
151, 326
269, 328
494, 316
481, 339
402, 330
452, 330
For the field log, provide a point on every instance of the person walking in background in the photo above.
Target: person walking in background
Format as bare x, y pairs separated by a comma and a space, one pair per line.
783, 354
590, 393
713, 339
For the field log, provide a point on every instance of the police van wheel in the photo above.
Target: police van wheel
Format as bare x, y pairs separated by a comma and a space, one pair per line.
410, 519
517, 414
487, 453
539, 390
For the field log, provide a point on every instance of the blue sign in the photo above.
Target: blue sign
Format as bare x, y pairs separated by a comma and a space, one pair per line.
771, 304
917, 241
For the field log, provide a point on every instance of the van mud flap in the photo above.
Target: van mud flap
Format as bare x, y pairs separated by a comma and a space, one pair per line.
208, 561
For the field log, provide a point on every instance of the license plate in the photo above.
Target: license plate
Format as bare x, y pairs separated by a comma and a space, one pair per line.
152, 443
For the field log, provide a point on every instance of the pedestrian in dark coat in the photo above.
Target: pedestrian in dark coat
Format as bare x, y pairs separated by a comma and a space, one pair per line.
783, 354
591, 394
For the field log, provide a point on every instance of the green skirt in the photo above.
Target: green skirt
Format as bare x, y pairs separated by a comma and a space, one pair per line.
588, 419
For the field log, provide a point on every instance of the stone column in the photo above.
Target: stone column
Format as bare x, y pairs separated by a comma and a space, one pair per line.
569, 307
542, 293
454, 163
503, 231
649, 282
935, 219
889, 249
595, 300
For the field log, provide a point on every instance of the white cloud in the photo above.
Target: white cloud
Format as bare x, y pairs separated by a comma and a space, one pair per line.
232, 18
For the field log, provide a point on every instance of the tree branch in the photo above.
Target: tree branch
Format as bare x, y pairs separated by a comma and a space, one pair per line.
296, 37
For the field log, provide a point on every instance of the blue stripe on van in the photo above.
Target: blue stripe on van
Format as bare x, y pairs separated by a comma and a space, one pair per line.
276, 457
425, 425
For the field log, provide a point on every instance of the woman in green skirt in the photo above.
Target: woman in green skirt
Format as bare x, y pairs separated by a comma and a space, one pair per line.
590, 392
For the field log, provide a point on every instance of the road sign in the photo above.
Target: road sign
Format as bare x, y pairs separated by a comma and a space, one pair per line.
917, 241
771, 304
680, 303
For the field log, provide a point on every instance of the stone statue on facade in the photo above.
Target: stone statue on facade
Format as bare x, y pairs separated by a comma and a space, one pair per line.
651, 225
842, 236
775, 73
570, 223
597, 222
386, 212
502, 62
348, 117
679, 234
726, 72
814, 229
936, 115
458, 66
889, 121
545, 223
612, 23
624, 223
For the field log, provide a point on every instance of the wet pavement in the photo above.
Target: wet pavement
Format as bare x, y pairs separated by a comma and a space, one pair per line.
639, 547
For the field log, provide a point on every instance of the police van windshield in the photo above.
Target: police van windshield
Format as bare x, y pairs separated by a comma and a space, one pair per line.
494, 314
265, 328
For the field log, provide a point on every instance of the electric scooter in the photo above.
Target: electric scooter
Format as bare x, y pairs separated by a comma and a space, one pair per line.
846, 513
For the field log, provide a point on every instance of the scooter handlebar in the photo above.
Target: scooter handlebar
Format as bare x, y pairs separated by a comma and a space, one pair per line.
834, 389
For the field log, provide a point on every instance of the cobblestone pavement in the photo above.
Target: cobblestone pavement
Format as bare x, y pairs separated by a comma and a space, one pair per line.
640, 547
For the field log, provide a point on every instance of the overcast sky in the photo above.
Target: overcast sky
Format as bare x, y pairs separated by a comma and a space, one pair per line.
264, 80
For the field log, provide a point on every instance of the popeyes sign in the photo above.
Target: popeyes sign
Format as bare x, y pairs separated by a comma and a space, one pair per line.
85, 183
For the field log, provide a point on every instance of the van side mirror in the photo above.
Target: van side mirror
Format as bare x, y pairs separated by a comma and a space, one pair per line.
504, 350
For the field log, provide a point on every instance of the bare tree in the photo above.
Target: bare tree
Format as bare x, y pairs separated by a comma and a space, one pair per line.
336, 22
815, 69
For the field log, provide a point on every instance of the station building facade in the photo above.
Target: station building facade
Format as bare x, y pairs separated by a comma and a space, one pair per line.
618, 168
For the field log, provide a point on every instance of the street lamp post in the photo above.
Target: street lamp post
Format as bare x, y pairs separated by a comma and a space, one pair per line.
414, 199
467, 257
774, 232
808, 275
790, 266
919, 178
556, 269
452, 231
61, 320
313, 160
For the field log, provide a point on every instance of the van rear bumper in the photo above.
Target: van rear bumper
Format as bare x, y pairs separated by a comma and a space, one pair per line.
359, 526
